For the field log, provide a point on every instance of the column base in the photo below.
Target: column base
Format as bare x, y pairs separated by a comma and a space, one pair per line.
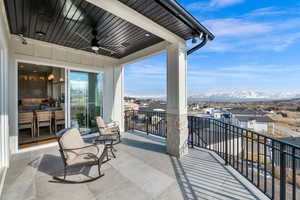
177, 135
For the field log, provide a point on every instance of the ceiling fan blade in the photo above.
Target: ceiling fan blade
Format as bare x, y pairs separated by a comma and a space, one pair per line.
82, 37
106, 49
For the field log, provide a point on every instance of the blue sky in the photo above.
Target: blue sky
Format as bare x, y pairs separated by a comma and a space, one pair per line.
257, 47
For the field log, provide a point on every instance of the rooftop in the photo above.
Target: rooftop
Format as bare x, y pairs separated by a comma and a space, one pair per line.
142, 170
258, 119
245, 111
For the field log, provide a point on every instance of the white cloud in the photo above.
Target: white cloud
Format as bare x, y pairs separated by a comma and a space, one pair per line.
220, 74
146, 71
261, 68
273, 11
236, 27
212, 4
266, 11
242, 34
223, 3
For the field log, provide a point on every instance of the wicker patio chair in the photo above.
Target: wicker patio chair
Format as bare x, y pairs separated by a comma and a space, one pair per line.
75, 153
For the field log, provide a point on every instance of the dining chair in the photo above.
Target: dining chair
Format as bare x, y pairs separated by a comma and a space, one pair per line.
43, 119
59, 119
26, 121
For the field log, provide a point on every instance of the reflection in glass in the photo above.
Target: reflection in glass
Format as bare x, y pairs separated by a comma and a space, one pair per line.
85, 99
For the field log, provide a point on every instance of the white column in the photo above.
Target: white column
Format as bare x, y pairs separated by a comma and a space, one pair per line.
4, 89
177, 124
113, 95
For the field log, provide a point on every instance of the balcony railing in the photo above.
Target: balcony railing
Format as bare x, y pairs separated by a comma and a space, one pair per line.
150, 122
270, 164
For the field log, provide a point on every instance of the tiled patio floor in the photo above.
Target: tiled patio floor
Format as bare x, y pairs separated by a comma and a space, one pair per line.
142, 170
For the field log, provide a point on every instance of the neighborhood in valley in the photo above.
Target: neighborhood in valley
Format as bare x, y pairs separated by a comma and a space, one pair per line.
278, 118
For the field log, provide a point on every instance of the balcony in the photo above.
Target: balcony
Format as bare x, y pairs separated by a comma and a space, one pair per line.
142, 170
214, 160
267, 163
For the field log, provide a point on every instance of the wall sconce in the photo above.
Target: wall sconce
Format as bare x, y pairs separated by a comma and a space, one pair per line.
61, 79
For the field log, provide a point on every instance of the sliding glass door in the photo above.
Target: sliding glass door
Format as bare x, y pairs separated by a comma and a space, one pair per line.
85, 100
41, 103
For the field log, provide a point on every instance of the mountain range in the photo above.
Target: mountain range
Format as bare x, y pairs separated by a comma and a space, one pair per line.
233, 96
244, 95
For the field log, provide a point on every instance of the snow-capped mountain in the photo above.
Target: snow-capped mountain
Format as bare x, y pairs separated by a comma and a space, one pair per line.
153, 97
244, 95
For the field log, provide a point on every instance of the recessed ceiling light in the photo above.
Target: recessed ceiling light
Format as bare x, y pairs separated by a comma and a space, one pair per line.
95, 48
147, 35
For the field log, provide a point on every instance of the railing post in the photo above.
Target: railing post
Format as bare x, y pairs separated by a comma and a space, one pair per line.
147, 123
282, 172
192, 131
226, 143
133, 125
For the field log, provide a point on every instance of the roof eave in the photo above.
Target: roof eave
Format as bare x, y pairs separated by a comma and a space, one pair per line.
180, 12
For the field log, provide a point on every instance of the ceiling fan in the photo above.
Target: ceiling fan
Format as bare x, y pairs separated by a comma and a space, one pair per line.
95, 45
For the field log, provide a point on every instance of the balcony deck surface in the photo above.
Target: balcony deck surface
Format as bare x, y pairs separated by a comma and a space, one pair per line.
142, 170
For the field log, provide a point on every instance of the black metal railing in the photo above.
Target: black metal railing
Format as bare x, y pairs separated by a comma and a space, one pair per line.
150, 122
270, 164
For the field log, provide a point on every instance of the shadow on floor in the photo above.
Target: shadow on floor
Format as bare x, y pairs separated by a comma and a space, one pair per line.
201, 176
148, 137
52, 165
144, 145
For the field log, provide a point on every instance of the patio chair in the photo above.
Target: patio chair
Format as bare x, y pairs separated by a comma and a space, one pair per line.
108, 130
75, 153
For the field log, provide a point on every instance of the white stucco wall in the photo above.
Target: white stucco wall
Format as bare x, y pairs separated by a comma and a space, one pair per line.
4, 57
261, 127
114, 95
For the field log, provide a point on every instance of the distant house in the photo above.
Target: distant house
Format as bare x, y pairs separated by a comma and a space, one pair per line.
156, 106
259, 124
217, 115
208, 110
130, 106
194, 106
251, 119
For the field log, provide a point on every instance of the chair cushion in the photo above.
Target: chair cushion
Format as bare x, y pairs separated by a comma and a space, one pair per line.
71, 139
105, 131
88, 155
112, 124
100, 122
